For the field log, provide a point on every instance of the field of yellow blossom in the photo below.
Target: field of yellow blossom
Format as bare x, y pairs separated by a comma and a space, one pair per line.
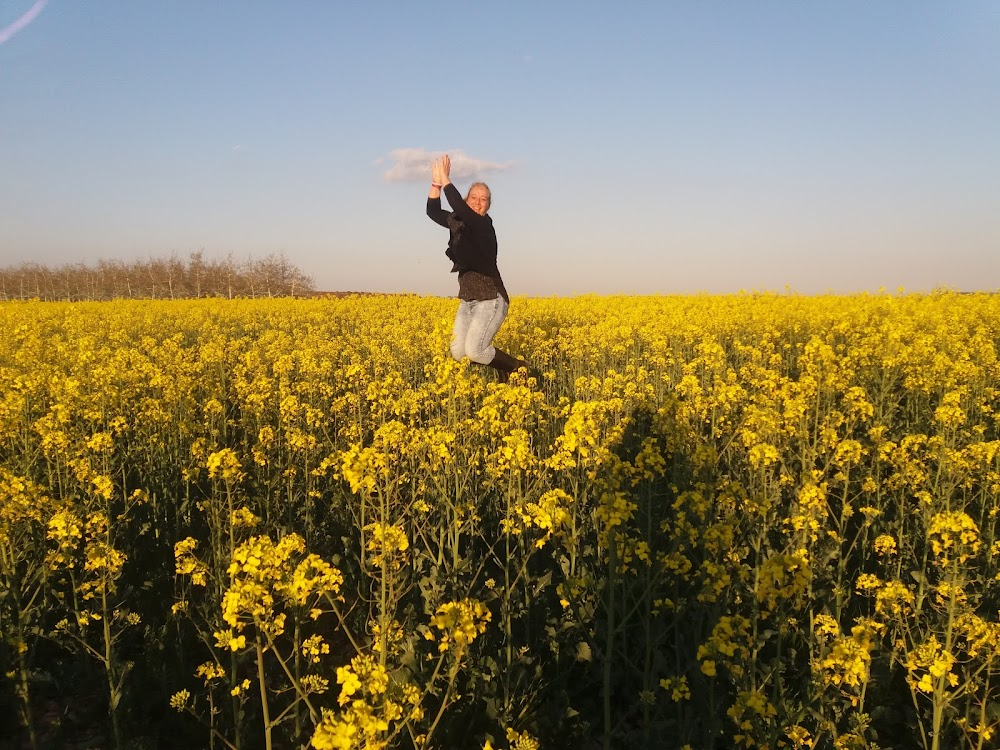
746, 521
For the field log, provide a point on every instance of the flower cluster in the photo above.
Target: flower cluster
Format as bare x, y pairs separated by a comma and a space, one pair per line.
459, 623
372, 702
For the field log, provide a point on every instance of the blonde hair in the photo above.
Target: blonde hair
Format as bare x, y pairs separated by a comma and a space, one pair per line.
489, 193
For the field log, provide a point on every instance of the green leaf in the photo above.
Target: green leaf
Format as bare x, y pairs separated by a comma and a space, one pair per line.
542, 583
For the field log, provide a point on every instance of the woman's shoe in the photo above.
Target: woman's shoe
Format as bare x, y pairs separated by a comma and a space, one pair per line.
505, 364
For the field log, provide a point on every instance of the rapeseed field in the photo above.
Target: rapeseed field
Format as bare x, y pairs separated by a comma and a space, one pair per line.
746, 521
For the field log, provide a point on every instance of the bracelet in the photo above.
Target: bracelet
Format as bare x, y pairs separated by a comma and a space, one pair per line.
434, 184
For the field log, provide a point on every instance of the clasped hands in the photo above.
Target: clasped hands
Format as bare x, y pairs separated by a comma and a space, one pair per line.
440, 171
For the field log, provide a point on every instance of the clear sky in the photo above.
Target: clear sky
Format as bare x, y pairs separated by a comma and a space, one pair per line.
631, 147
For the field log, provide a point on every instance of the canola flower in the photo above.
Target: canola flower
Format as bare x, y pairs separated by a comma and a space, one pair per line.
808, 484
459, 623
372, 703
846, 660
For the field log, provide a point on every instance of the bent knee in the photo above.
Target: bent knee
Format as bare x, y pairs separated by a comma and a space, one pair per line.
482, 356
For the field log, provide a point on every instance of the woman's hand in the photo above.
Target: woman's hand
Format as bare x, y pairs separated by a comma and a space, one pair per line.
437, 175
440, 170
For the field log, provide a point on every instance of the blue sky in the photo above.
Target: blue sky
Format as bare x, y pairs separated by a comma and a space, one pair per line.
631, 147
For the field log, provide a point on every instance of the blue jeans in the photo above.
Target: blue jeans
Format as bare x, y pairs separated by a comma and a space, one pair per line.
476, 323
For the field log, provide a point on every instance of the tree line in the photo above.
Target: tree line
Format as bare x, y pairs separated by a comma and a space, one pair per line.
156, 278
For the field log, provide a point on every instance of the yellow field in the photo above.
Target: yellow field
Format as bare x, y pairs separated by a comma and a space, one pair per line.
719, 521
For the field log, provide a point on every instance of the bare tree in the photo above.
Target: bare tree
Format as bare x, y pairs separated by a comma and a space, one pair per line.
173, 278
196, 273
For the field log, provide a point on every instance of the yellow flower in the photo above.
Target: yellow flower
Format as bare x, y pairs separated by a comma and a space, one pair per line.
950, 412
845, 662
224, 464
826, 627
334, 734
228, 639
313, 576
210, 671
885, 545
799, 736
782, 578
953, 532
313, 647
867, 582
929, 665
314, 684
187, 564
763, 456
178, 701
240, 688
522, 741
894, 598
385, 541
459, 623
349, 684
244, 517
678, 687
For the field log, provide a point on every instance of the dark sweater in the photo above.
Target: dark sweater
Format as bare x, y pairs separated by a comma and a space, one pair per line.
472, 247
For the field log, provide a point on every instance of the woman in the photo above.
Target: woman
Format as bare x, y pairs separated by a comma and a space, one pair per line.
472, 249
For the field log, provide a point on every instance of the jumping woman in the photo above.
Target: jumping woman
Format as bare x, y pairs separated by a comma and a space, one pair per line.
472, 249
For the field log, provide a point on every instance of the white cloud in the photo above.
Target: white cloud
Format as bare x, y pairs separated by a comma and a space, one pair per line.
414, 165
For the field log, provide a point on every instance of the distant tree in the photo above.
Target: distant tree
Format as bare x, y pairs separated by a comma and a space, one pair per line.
156, 278
196, 273
31, 281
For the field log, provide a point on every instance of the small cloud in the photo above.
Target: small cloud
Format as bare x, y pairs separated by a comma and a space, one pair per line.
414, 165
237, 148
527, 59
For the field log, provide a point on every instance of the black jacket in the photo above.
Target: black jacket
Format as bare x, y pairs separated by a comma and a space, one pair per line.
473, 242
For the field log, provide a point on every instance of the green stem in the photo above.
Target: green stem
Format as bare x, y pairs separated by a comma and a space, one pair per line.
609, 643
25, 696
294, 679
265, 710
109, 668
238, 737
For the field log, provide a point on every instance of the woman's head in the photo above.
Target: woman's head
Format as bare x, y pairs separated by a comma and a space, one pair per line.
479, 198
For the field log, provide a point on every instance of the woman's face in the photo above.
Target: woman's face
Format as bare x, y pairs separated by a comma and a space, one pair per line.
479, 200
